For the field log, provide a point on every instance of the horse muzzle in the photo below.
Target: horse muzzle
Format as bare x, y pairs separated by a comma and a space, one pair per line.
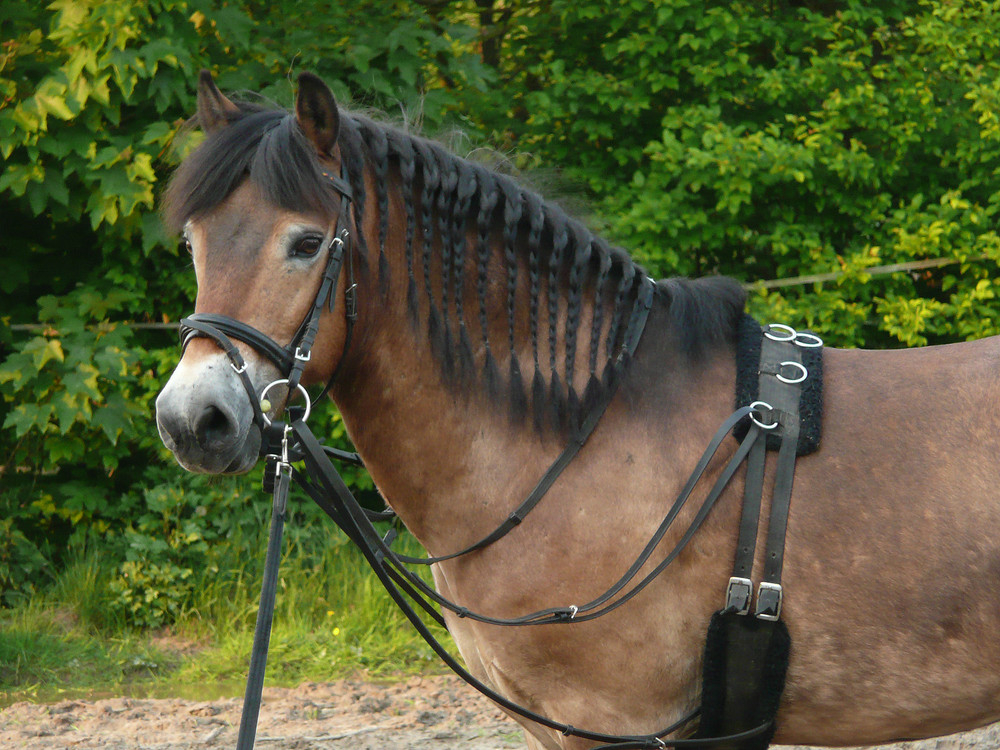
206, 420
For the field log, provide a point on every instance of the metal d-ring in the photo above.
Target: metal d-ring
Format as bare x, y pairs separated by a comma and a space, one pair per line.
790, 333
301, 389
808, 340
756, 405
792, 381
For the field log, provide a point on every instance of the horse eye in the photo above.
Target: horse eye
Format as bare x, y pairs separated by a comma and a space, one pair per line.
186, 246
307, 246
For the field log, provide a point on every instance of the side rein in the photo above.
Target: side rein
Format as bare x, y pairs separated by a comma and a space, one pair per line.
286, 442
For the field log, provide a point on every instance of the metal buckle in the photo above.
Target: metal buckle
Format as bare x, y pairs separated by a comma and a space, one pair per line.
351, 302
308, 355
738, 594
768, 601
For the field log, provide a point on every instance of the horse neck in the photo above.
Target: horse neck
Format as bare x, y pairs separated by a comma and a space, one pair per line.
443, 458
442, 454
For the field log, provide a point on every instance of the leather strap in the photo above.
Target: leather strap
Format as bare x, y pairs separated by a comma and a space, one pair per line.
208, 327
193, 326
753, 491
340, 504
265, 614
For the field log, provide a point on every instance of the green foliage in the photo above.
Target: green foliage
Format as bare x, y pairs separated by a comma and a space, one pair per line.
75, 384
759, 140
21, 564
772, 140
92, 98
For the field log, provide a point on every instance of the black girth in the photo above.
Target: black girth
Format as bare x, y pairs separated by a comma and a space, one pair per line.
746, 656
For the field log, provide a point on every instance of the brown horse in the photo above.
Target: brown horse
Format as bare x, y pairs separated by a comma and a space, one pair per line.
487, 323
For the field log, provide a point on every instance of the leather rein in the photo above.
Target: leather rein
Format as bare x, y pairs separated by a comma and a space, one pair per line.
285, 443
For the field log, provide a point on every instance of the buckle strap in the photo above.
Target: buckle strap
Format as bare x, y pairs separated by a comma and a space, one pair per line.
781, 380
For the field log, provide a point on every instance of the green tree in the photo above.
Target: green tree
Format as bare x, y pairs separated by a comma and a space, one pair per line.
768, 140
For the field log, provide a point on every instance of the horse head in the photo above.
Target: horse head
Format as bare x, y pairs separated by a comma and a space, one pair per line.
260, 215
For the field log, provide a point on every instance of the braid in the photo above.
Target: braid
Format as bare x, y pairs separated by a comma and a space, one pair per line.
581, 259
560, 241
595, 330
445, 203
403, 150
488, 198
378, 148
513, 208
536, 222
467, 188
352, 155
430, 184
511, 218
593, 390
624, 285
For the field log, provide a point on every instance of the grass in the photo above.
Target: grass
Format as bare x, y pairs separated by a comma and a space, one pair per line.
332, 619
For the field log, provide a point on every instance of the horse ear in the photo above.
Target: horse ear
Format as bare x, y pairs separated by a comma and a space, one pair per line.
214, 109
316, 113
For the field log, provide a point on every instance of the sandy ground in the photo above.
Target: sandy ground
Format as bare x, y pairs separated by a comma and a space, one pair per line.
424, 712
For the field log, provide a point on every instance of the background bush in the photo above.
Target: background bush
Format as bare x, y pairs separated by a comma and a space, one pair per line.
762, 140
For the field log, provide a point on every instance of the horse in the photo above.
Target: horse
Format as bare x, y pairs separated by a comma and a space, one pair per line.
486, 325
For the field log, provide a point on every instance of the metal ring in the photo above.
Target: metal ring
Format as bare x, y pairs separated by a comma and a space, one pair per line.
793, 381
812, 340
299, 386
791, 332
755, 405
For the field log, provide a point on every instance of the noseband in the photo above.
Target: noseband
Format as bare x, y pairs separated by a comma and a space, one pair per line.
291, 359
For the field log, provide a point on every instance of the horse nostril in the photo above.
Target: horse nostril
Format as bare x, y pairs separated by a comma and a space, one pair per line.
213, 427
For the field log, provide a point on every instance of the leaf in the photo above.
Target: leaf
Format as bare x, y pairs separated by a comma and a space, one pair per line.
16, 177
112, 421
233, 25
67, 412
24, 417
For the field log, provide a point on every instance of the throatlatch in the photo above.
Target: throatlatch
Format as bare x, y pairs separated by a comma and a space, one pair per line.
746, 656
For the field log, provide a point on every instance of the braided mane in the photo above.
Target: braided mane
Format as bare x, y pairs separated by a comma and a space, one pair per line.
473, 238
468, 229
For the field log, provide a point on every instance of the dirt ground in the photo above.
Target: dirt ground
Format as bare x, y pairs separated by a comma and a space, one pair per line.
422, 713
